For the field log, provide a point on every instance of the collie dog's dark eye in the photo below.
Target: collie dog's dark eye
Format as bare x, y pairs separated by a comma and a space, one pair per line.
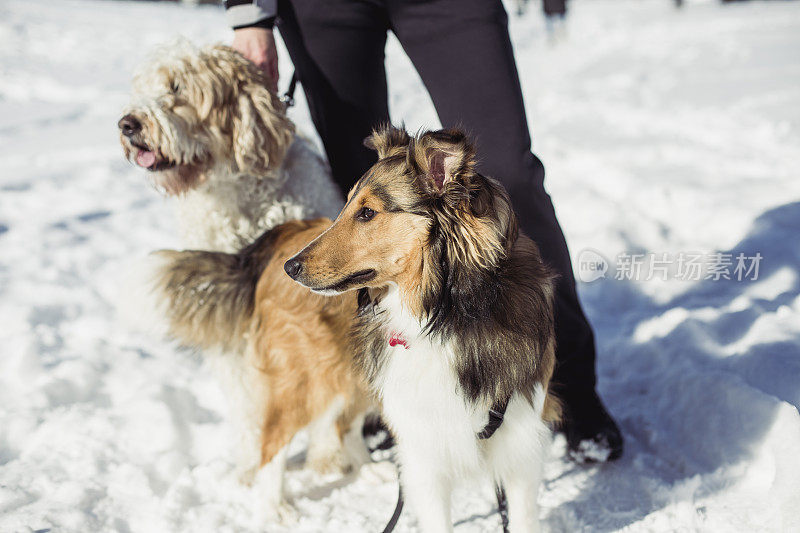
365, 214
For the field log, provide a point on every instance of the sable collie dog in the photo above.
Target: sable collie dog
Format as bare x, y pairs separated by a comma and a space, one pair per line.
455, 317
288, 348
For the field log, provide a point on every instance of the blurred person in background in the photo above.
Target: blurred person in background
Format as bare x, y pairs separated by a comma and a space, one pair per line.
555, 16
462, 51
551, 8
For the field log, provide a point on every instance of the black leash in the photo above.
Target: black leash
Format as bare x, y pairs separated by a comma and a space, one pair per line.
288, 97
496, 415
397, 510
502, 506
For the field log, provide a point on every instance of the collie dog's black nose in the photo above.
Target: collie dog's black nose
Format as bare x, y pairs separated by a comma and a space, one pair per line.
293, 267
129, 125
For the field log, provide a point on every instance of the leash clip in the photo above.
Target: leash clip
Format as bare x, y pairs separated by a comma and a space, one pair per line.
495, 420
287, 98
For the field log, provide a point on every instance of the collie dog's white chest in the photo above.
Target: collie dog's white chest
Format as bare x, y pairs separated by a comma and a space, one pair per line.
421, 395
436, 426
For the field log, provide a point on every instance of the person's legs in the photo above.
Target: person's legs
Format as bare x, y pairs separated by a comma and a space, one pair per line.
337, 47
462, 51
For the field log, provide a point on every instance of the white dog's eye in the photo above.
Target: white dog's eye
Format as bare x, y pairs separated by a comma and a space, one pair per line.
175, 87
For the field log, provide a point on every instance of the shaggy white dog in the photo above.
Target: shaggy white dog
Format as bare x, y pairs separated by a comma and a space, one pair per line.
211, 133
204, 124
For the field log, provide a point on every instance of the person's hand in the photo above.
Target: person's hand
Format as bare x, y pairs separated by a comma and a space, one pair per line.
258, 45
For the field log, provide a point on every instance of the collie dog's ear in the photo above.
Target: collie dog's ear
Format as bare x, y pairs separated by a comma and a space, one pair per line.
262, 133
443, 157
387, 139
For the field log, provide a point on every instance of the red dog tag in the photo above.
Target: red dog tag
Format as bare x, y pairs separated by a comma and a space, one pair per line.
396, 339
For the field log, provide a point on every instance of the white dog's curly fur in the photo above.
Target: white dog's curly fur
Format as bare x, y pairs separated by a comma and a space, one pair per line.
204, 122
211, 133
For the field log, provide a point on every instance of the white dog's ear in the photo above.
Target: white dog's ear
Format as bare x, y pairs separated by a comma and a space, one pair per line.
262, 132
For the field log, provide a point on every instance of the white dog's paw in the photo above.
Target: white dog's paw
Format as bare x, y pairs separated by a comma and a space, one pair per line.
327, 461
378, 473
247, 475
283, 513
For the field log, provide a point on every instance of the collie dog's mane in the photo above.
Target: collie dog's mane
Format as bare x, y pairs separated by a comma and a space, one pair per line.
482, 286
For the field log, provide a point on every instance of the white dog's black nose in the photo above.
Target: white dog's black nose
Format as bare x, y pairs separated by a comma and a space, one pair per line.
293, 267
129, 125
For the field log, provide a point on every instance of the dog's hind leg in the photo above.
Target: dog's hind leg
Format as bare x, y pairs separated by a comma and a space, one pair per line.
350, 428
279, 426
261, 468
336, 443
325, 452
355, 448
245, 390
271, 504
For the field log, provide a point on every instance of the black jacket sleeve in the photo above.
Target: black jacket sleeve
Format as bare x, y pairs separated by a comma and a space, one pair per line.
251, 13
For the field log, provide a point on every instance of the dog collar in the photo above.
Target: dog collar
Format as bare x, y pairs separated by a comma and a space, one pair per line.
397, 339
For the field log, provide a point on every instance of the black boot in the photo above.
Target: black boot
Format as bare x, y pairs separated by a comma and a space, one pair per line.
592, 435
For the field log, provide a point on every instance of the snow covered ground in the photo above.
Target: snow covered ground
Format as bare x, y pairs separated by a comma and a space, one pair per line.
663, 131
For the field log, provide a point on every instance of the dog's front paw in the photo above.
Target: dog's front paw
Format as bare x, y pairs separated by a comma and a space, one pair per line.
282, 512
329, 461
247, 475
378, 473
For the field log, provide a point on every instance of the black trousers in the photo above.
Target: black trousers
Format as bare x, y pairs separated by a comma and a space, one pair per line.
462, 51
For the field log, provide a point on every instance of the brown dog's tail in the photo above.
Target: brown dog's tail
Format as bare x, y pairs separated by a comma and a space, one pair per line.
207, 298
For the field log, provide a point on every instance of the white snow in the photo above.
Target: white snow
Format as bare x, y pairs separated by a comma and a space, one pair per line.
662, 131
